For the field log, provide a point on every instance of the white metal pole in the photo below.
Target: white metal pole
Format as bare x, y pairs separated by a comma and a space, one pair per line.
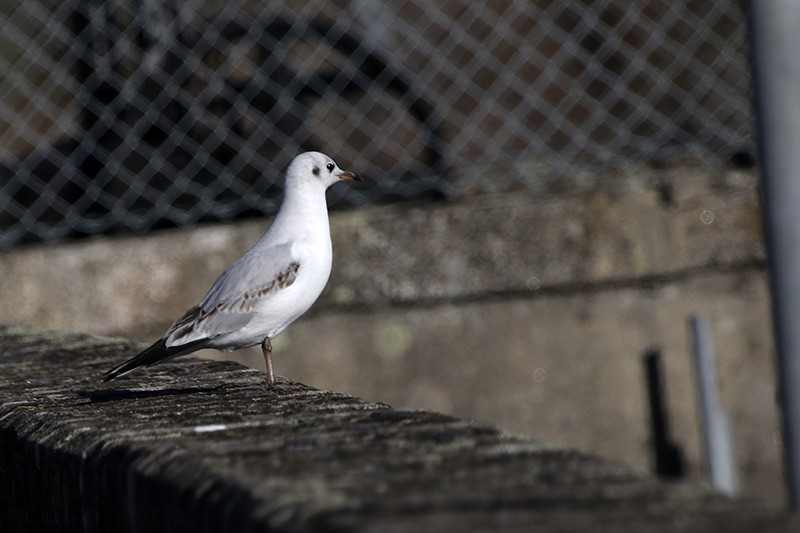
716, 429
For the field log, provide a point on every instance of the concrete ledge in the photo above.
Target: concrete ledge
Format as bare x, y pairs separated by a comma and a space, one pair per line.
204, 446
629, 233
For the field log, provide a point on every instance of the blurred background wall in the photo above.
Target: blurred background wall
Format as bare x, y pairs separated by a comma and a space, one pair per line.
554, 187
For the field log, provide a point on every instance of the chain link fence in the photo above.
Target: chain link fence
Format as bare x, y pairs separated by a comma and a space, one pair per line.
135, 115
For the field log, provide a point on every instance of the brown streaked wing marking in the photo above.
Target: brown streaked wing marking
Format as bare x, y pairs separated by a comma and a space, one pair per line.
247, 301
194, 319
288, 276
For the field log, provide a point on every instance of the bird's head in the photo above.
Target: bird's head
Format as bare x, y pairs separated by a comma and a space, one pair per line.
317, 167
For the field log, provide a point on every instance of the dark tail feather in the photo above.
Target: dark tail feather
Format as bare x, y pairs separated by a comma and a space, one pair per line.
154, 354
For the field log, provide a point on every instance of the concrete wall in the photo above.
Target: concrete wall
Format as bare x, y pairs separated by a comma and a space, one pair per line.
529, 313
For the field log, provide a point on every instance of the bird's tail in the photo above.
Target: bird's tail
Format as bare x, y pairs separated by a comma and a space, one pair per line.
156, 353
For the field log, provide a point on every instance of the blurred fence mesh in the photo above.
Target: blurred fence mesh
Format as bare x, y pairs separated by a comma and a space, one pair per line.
119, 115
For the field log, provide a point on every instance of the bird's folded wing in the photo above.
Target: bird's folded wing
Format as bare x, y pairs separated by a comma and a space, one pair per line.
230, 303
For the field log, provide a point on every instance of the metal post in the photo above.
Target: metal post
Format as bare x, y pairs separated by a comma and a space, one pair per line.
713, 420
668, 455
775, 45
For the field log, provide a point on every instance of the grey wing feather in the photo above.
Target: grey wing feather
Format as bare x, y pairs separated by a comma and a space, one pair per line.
230, 302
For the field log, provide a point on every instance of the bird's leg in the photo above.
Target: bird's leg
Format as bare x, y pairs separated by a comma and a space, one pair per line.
266, 347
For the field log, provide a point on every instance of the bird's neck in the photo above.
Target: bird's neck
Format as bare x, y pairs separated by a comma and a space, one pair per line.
304, 211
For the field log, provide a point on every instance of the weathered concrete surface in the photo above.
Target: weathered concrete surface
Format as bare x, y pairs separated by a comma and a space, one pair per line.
205, 446
394, 255
524, 312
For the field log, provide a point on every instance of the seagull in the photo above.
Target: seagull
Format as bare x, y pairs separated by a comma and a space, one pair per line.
270, 285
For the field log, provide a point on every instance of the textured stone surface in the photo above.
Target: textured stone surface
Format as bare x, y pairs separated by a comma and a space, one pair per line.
516, 243
205, 446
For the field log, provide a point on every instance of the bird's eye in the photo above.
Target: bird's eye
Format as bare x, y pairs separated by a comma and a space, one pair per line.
330, 167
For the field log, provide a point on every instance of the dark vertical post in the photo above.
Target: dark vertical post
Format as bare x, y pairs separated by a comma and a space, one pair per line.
775, 46
668, 456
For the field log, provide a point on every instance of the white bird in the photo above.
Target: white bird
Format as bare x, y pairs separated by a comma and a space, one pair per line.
268, 287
